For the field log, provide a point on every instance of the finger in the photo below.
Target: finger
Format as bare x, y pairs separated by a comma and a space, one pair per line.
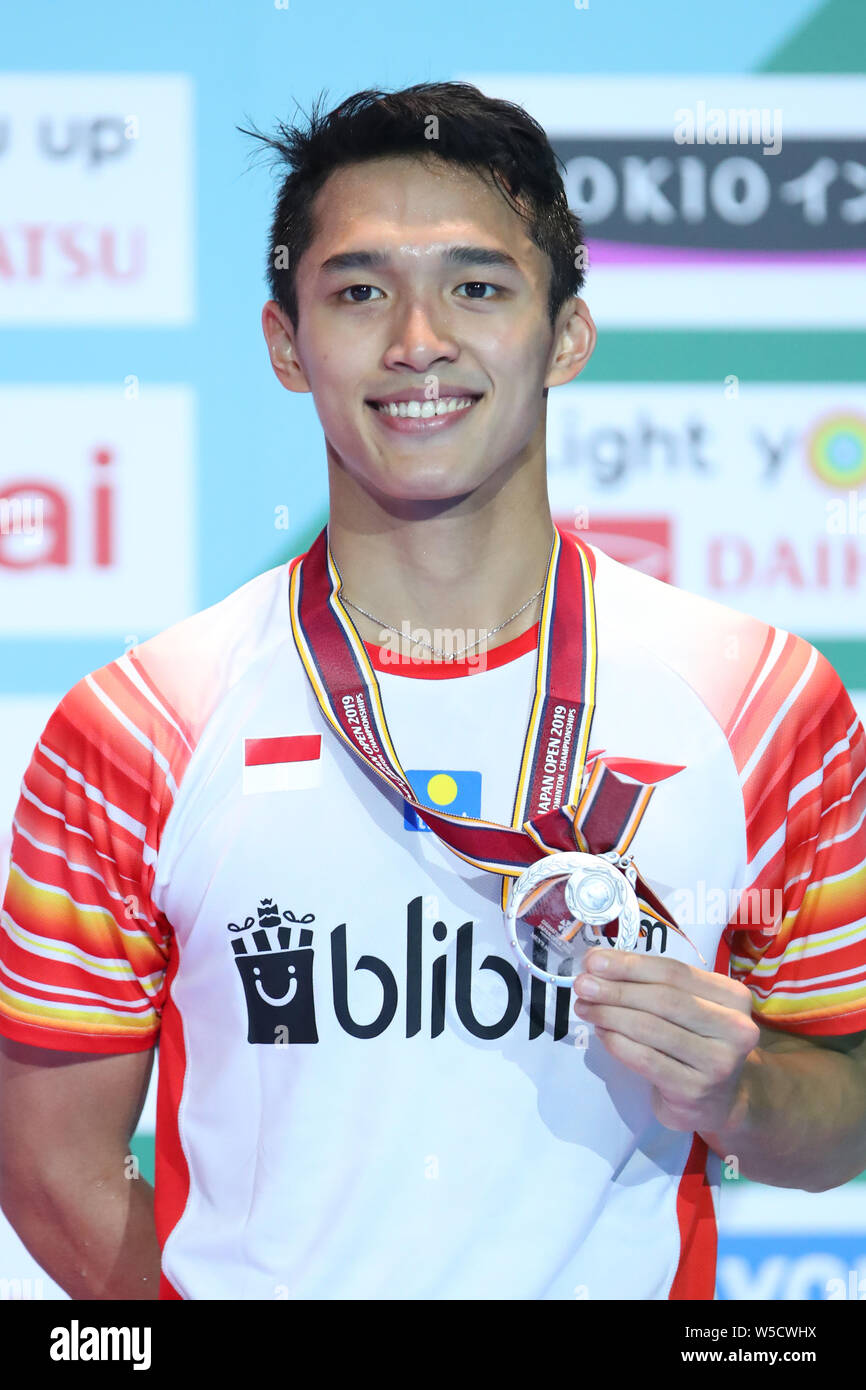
711, 1058
641, 968
671, 1077
701, 1016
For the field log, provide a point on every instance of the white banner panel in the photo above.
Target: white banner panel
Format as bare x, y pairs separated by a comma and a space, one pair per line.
753, 495
97, 525
96, 196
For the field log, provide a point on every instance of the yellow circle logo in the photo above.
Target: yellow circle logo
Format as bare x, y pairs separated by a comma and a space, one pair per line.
442, 789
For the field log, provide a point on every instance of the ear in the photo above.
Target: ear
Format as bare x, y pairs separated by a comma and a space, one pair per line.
280, 338
573, 344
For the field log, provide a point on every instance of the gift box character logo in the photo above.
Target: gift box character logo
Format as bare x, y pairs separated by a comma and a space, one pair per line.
276, 969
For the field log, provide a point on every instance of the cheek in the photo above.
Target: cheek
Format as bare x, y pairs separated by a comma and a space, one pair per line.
513, 363
326, 355
336, 401
339, 378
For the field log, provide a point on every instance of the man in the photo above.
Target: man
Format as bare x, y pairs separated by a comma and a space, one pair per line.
277, 837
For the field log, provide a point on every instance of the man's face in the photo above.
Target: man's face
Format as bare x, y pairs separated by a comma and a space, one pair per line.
403, 317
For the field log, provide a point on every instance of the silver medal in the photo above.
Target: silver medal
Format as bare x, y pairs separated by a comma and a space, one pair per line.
551, 928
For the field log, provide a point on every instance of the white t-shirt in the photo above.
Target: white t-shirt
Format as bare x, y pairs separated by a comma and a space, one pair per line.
361, 1092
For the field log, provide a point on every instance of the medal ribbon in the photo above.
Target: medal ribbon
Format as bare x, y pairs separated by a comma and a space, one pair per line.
550, 813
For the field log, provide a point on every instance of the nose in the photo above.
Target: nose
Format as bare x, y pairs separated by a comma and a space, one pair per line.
420, 339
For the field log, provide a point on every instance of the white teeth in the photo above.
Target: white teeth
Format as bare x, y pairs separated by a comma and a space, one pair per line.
424, 410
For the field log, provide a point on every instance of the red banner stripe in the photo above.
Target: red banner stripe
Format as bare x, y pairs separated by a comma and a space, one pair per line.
292, 748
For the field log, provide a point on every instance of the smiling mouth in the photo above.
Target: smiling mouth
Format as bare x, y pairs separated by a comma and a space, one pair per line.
424, 410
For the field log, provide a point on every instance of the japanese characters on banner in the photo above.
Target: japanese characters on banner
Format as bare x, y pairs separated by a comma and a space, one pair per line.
712, 201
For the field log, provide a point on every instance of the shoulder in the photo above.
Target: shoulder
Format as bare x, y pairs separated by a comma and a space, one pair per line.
146, 709
186, 669
748, 673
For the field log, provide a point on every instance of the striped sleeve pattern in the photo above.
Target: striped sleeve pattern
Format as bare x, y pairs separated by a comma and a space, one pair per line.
798, 939
83, 951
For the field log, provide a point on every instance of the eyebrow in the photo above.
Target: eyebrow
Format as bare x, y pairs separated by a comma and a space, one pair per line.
452, 255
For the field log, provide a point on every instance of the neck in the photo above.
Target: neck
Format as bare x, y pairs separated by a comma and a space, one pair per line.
447, 569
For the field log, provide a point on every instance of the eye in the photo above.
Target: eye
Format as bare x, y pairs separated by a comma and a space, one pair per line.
478, 285
350, 289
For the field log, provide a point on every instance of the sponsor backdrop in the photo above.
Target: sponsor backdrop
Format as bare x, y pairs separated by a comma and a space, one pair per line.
149, 462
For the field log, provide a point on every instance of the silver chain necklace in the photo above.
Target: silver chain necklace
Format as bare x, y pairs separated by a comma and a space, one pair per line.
419, 642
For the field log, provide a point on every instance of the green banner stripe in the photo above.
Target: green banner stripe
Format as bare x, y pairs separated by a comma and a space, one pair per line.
142, 1147
833, 39
744, 1182
682, 355
847, 655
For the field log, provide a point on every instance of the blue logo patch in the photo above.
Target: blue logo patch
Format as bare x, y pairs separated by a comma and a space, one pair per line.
444, 789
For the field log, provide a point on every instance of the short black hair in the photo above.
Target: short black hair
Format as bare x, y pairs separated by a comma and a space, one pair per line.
453, 121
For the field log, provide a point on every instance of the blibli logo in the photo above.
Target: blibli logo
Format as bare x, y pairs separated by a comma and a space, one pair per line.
275, 962
457, 791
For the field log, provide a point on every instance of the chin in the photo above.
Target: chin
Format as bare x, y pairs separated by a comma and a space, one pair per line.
429, 487
413, 479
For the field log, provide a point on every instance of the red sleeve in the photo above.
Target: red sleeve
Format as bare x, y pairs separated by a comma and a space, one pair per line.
801, 754
83, 949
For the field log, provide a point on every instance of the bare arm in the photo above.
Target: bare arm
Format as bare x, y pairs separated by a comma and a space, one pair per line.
801, 1120
66, 1119
791, 1109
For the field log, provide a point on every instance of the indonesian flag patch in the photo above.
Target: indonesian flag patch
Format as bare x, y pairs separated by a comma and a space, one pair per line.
292, 762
